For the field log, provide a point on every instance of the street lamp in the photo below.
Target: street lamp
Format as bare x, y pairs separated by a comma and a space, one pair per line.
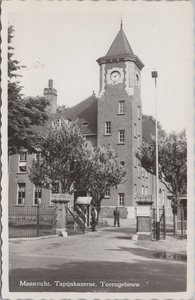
155, 76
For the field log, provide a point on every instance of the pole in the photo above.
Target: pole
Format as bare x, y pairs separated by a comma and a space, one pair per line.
155, 75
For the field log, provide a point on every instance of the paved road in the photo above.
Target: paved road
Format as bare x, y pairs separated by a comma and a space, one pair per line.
103, 261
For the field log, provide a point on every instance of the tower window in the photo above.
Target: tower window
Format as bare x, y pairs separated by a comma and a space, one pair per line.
139, 112
22, 162
85, 124
121, 136
121, 199
21, 193
108, 127
121, 108
135, 130
135, 190
142, 190
146, 190
138, 141
37, 194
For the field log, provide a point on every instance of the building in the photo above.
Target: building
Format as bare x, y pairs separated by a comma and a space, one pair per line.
115, 118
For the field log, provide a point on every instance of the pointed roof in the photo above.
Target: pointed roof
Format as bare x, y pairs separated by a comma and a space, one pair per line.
120, 45
120, 50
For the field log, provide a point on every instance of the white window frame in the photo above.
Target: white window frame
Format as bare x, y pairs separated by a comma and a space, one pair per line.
121, 199
107, 193
143, 188
38, 154
121, 107
139, 112
19, 184
35, 192
121, 136
108, 128
135, 130
135, 189
22, 161
138, 141
146, 190
139, 170
56, 123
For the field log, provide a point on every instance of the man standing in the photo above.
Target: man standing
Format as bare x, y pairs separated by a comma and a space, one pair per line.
116, 214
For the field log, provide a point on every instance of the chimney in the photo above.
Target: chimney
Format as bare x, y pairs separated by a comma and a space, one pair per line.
51, 94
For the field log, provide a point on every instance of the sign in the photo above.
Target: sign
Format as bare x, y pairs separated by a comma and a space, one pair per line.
143, 211
83, 200
61, 197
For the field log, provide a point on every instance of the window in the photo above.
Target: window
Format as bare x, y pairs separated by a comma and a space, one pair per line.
146, 174
135, 190
122, 163
138, 141
22, 162
107, 193
56, 123
135, 130
121, 199
139, 170
37, 194
121, 108
108, 127
21, 193
142, 190
121, 137
146, 190
38, 155
85, 124
142, 172
135, 161
139, 112
55, 188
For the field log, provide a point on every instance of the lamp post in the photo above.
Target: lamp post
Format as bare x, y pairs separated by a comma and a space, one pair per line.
155, 76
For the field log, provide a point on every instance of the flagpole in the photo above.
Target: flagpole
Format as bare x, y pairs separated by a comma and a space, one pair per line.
155, 76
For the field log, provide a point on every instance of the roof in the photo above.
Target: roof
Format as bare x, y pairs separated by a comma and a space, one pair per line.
120, 50
86, 113
120, 45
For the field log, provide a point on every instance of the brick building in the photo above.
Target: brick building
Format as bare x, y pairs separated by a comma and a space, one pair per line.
115, 118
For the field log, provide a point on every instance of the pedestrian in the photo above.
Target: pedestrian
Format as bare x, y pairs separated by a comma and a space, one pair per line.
93, 218
116, 214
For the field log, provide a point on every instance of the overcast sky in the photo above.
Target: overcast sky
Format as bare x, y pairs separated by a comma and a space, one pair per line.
61, 40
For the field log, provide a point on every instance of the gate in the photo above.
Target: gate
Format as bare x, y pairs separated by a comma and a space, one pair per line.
31, 221
162, 219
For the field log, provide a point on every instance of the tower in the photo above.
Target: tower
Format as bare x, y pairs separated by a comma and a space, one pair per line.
119, 114
51, 94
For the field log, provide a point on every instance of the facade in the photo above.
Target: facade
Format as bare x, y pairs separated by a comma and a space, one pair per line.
115, 118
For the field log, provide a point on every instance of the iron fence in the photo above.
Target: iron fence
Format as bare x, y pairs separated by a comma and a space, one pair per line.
31, 221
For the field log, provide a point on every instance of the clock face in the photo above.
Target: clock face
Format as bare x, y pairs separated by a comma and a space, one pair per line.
115, 76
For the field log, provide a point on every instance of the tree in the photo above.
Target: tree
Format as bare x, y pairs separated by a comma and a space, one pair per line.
61, 108
172, 150
103, 171
67, 158
23, 113
62, 148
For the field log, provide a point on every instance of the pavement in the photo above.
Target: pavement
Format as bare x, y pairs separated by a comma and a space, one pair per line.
107, 260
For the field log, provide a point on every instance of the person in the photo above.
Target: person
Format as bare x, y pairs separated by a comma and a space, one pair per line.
116, 214
93, 218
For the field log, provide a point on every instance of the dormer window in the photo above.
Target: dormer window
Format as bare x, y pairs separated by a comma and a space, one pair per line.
85, 124
56, 123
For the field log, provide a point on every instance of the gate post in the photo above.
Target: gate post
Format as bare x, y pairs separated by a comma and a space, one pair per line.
38, 213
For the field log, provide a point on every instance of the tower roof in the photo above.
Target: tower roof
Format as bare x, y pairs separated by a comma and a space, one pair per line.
120, 50
120, 45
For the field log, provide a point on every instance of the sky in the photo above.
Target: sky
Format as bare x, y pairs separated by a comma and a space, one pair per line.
61, 40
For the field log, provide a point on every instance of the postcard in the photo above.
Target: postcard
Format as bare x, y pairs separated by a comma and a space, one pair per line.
97, 150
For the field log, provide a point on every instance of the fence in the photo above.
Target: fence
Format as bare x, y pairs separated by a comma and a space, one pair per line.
31, 221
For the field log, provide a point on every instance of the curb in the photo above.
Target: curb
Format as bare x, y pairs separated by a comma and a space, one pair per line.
33, 238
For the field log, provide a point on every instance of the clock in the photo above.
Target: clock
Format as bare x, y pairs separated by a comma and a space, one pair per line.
115, 76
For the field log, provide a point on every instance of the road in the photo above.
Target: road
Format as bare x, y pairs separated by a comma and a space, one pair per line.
103, 261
